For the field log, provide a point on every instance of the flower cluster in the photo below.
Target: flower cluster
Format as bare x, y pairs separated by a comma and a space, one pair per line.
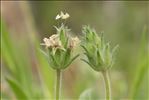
99, 53
52, 41
55, 41
60, 47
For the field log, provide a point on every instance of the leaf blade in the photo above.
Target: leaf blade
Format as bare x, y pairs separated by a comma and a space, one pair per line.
19, 92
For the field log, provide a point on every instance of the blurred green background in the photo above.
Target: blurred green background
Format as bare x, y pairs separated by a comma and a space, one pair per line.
25, 73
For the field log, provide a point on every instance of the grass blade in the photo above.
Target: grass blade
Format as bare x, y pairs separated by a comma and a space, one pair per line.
20, 94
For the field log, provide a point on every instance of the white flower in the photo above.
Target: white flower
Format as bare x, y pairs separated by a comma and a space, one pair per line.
53, 42
65, 16
58, 17
54, 37
46, 42
62, 16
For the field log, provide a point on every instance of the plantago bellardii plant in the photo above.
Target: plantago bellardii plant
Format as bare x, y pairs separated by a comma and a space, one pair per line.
99, 54
60, 48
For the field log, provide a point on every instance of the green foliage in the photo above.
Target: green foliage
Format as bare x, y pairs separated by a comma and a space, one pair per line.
18, 65
99, 54
17, 89
142, 68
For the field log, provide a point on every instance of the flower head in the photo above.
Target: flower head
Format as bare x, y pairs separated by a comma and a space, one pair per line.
46, 42
60, 48
52, 42
99, 54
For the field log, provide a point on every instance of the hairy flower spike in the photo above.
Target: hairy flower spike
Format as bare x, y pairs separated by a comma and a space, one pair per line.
60, 46
99, 54
60, 50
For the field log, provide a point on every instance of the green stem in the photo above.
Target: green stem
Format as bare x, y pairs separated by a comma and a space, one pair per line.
107, 84
58, 83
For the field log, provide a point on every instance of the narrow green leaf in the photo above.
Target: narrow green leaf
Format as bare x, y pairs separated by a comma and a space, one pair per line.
66, 43
86, 62
19, 92
99, 58
85, 49
56, 28
71, 60
57, 56
90, 64
44, 53
142, 68
53, 61
62, 36
114, 49
66, 58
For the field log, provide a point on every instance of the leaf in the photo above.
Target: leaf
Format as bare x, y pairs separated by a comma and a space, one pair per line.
7, 47
114, 49
107, 54
66, 57
19, 92
62, 36
56, 28
53, 61
90, 64
57, 56
66, 43
44, 53
113, 54
85, 49
16, 59
49, 59
91, 59
99, 58
142, 68
71, 61
86, 62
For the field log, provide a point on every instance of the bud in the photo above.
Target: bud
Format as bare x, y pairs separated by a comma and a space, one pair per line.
99, 54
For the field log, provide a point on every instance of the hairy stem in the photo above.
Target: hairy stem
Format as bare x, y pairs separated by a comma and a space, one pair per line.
58, 83
107, 84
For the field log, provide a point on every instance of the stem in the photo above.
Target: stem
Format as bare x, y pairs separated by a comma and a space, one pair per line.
107, 84
58, 84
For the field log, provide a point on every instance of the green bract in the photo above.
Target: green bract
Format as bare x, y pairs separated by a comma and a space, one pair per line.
99, 54
60, 47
